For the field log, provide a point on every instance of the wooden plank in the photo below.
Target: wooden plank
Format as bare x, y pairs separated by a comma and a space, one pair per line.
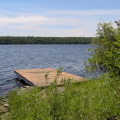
36, 76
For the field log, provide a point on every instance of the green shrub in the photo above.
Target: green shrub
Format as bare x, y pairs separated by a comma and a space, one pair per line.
106, 54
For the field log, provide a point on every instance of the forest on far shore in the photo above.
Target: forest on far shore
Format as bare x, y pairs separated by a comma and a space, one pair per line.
44, 40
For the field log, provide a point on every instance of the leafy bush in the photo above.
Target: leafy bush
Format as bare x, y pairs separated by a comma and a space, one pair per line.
106, 55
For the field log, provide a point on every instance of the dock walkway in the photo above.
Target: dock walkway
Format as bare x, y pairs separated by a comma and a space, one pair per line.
36, 76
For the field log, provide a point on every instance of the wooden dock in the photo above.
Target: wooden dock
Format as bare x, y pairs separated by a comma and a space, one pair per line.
36, 76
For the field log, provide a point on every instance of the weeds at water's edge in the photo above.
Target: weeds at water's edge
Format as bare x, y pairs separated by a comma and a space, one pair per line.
94, 100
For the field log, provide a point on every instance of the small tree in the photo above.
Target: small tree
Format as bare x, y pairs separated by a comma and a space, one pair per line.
106, 55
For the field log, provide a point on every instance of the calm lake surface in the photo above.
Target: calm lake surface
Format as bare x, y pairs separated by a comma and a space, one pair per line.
70, 57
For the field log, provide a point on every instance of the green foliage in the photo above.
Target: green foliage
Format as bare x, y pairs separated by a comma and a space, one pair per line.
88, 100
44, 40
106, 55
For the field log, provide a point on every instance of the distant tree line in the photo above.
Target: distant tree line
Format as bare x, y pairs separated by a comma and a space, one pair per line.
44, 40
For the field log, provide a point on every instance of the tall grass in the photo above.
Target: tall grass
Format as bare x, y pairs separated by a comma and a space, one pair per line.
89, 100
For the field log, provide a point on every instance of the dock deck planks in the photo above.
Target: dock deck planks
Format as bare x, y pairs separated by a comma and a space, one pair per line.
36, 76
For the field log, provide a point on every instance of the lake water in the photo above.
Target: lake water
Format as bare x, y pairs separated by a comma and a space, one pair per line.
70, 57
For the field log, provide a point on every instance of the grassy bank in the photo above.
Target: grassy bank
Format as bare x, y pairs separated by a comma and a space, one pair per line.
89, 100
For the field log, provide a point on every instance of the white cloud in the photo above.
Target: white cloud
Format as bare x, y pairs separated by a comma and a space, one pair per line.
23, 19
36, 21
89, 12
84, 25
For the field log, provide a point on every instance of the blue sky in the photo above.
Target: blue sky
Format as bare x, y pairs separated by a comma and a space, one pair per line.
62, 18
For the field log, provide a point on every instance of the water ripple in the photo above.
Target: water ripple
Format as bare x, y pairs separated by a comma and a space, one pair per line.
70, 57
